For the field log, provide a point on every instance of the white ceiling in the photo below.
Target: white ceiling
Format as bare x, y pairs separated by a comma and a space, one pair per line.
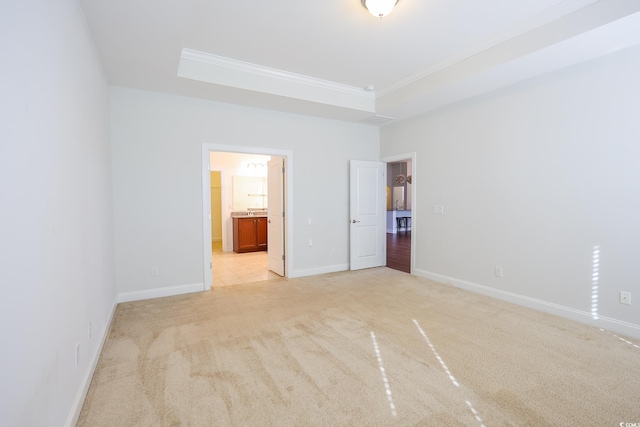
317, 57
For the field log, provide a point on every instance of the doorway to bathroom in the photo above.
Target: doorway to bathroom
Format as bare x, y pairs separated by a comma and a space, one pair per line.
243, 179
242, 196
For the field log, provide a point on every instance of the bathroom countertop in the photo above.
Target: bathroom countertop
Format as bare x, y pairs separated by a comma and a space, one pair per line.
249, 214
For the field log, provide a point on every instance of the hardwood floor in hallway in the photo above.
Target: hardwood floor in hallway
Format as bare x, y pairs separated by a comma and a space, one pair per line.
399, 251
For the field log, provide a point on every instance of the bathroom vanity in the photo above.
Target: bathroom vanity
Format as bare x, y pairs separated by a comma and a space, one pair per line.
249, 231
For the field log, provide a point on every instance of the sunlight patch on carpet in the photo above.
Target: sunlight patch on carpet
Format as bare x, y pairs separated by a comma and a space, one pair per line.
624, 340
446, 369
433, 349
384, 374
595, 281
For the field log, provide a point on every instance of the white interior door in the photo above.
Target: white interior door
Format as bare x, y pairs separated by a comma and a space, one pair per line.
367, 222
275, 207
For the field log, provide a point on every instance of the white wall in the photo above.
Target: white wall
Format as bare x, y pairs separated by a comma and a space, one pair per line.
56, 244
532, 178
157, 144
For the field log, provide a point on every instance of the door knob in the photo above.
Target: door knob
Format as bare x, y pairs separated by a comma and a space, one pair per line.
354, 221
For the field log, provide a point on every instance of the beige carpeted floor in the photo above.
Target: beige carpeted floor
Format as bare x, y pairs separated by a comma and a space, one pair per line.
370, 348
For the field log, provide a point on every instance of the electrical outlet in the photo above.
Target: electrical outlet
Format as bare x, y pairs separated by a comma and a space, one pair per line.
155, 271
498, 271
77, 353
89, 329
310, 242
333, 251
625, 297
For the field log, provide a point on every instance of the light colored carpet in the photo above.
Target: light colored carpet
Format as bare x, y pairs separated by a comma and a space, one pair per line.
369, 348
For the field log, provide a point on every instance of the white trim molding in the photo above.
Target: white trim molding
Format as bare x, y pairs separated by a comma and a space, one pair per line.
160, 292
602, 322
320, 270
78, 402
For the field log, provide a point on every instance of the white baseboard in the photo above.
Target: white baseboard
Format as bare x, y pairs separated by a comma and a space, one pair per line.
321, 270
160, 292
603, 322
76, 408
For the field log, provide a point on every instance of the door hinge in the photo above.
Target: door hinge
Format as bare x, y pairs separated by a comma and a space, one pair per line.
210, 265
283, 169
282, 214
283, 257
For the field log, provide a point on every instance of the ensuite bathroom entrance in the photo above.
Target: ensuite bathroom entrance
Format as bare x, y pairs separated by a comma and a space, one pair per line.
247, 242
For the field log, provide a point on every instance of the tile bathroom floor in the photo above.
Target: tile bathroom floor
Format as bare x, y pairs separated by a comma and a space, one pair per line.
230, 268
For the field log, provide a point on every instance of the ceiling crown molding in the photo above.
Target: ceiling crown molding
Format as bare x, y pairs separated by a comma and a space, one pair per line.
216, 69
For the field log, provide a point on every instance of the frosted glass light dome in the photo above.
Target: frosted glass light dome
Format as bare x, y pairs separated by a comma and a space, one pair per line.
379, 8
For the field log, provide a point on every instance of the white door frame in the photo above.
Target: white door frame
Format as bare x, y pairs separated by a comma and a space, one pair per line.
414, 198
207, 148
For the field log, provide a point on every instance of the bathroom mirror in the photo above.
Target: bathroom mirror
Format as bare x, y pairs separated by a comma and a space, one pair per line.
397, 201
249, 192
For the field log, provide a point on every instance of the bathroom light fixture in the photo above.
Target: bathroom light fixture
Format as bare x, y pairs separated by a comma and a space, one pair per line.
379, 8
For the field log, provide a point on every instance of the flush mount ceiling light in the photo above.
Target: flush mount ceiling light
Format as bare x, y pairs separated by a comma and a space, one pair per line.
379, 8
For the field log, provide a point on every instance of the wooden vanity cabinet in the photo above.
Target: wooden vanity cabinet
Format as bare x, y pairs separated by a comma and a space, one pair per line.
262, 234
249, 234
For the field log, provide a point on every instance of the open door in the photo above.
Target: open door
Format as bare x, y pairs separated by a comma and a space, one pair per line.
367, 184
275, 221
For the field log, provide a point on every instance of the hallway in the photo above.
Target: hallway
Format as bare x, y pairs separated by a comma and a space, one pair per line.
399, 251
